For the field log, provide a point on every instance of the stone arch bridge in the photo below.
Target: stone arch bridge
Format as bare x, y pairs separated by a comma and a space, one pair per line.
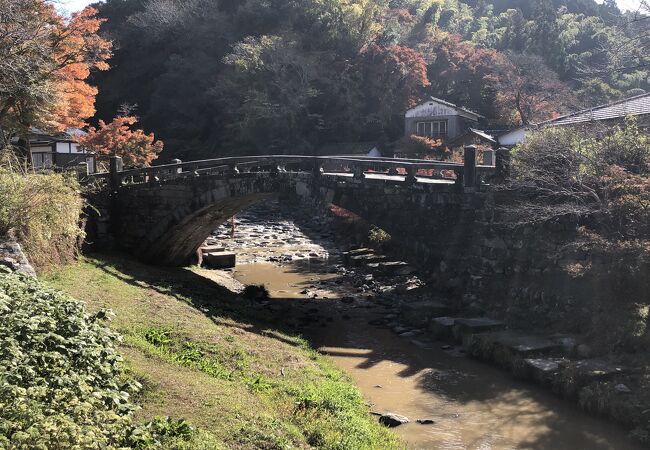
164, 213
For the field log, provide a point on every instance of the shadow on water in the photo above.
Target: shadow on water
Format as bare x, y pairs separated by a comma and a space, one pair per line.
474, 405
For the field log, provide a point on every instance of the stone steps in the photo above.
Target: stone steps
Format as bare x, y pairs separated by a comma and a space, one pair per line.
419, 314
545, 360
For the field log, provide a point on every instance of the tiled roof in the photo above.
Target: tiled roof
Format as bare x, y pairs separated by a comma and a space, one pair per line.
483, 134
633, 106
445, 103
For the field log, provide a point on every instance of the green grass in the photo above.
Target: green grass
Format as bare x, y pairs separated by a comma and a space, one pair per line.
212, 358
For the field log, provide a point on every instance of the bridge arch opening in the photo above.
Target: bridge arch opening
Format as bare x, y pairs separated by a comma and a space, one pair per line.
178, 244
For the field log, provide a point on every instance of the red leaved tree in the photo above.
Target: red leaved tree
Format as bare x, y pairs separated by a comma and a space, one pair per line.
118, 139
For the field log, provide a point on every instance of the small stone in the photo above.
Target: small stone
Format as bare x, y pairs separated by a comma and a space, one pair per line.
426, 421
379, 386
392, 420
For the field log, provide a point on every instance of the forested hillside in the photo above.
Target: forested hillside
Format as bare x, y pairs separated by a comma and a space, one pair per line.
228, 76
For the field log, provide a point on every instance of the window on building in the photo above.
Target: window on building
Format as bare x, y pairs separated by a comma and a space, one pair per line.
434, 129
42, 160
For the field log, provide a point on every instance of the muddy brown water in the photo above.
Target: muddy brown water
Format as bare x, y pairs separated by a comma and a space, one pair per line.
474, 405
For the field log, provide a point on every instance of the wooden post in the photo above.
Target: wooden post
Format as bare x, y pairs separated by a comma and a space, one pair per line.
502, 164
116, 166
469, 159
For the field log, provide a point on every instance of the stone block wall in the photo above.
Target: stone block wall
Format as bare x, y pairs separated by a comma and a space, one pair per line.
531, 276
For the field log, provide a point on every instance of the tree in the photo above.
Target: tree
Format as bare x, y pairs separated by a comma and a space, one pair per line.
528, 91
117, 139
77, 49
394, 78
460, 71
45, 60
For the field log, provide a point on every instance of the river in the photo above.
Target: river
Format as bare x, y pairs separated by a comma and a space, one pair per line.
473, 405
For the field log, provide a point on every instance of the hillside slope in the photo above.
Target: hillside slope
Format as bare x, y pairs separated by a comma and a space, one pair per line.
205, 355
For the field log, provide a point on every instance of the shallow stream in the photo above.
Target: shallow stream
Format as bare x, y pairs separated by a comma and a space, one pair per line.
473, 405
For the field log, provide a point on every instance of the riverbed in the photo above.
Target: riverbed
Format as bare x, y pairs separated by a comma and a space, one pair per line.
472, 405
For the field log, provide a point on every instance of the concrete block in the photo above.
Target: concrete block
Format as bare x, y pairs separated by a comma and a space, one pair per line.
542, 370
442, 327
219, 260
464, 329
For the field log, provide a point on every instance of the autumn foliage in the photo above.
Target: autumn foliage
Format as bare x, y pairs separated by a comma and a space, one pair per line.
118, 139
77, 50
399, 74
45, 62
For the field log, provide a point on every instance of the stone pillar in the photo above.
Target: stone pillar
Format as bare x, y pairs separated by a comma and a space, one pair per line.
116, 166
502, 164
357, 170
178, 169
469, 158
411, 173
317, 168
488, 158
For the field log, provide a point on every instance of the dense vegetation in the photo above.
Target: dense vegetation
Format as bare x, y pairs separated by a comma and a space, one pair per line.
62, 382
216, 360
42, 211
60, 372
591, 189
599, 176
215, 77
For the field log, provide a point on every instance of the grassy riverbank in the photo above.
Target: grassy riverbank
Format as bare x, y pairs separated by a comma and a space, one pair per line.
205, 355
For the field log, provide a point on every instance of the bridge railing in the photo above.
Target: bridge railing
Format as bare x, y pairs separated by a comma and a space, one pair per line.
467, 174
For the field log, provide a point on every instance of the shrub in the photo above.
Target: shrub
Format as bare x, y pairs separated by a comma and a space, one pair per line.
422, 146
379, 237
599, 175
60, 384
256, 292
44, 212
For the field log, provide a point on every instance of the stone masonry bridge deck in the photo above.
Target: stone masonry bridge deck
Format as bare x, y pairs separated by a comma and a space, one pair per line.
163, 213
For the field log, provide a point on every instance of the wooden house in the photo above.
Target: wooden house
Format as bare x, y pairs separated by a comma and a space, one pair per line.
58, 151
439, 119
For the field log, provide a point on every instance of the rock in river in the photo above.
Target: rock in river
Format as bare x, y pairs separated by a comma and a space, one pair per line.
426, 421
393, 420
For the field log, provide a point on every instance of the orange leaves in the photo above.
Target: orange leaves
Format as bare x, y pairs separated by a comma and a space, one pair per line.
116, 138
77, 49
